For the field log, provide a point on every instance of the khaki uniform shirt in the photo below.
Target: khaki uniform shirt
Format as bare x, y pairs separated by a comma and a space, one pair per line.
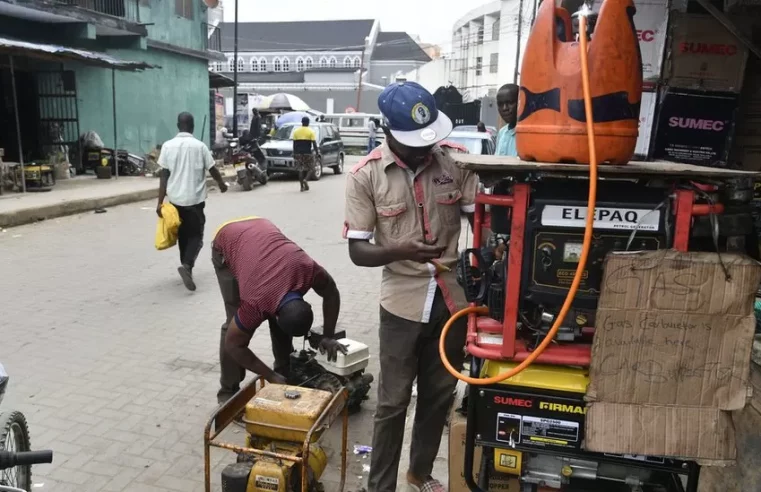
388, 202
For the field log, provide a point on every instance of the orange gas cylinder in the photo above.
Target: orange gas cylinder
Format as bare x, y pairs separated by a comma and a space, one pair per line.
551, 119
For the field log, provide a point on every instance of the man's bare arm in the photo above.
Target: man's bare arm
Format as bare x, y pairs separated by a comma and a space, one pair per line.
326, 287
163, 180
366, 254
218, 178
236, 344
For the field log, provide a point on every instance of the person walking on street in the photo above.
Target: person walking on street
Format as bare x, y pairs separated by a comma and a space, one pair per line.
372, 129
408, 195
263, 276
184, 161
304, 142
507, 105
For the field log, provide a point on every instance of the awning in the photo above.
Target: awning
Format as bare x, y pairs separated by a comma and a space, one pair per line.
217, 81
55, 52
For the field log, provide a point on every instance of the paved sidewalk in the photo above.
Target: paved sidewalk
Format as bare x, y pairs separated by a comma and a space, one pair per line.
78, 195
115, 364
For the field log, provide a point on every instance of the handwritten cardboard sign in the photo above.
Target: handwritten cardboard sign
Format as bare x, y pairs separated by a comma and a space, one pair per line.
674, 333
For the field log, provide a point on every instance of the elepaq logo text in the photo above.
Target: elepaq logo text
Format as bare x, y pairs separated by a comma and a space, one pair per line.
696, 124
708, 48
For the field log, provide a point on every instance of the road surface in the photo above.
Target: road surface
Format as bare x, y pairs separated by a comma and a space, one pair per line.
115, 364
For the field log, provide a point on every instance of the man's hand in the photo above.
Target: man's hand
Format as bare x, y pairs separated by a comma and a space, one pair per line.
418, 251
331, 347
222, 186
158, 211
276, 378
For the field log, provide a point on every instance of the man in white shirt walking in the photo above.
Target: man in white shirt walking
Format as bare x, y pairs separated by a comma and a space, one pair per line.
184, 161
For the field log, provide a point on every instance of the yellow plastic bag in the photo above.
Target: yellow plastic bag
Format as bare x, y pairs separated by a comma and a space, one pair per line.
166, 229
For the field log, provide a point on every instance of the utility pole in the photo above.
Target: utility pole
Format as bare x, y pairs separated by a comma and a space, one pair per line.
518, 48
359, 81
235, 73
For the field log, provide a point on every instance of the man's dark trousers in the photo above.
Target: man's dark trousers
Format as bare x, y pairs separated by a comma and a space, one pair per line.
190, 234
410, 350
231, 372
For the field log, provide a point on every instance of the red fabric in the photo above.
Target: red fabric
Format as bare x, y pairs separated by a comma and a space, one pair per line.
453, 145
267, 266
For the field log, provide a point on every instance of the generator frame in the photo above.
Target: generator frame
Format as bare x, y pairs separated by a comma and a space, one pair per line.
492, 169
226, 413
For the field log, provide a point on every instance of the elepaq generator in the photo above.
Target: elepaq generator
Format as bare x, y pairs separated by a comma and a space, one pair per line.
524, 257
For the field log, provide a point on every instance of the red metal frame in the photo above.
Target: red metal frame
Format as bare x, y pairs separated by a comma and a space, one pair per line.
509, 347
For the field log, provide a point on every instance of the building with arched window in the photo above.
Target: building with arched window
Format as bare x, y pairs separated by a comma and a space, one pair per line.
320, 61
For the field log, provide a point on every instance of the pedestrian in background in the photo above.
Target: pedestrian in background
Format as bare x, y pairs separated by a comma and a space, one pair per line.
481, 127
507, 105
184, 161
407, 196
304, 141
372, 129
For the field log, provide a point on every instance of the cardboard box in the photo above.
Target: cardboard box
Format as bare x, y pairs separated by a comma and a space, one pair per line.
457, 462
695, 128
651, 23
646, 122
746, 153
704, 55
671, 354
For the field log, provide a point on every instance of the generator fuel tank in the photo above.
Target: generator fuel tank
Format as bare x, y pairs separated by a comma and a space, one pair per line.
551, 117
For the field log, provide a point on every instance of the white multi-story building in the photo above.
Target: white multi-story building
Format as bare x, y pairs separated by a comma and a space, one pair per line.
488, 44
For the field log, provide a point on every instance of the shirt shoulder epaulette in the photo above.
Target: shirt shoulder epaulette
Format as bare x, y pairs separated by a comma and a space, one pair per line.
369, 158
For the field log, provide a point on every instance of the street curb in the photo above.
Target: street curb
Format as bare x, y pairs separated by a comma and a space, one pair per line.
36, 214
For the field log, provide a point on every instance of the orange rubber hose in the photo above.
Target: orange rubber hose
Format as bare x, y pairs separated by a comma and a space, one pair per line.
591, 202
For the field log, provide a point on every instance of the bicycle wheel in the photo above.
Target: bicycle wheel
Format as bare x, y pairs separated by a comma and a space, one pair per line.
14, 436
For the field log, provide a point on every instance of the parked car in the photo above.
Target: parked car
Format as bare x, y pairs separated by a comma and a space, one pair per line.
473, 128
475, 142
279, 149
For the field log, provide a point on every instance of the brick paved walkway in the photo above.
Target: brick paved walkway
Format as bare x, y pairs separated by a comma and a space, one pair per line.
116, 365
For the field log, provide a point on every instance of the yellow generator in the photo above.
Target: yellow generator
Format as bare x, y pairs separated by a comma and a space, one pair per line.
282, 452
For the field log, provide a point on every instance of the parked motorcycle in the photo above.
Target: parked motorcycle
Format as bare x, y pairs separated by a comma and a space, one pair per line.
16, 457
250, 164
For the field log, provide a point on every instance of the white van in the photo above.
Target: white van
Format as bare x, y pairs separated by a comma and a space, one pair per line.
353, 127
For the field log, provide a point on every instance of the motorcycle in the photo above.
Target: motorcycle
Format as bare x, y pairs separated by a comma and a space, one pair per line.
250, 164
16, 457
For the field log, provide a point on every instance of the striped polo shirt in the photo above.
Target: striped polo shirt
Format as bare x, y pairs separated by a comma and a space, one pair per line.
267, 266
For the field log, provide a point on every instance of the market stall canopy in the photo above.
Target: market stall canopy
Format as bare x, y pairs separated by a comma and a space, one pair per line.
54, 52
283, 101
217, 81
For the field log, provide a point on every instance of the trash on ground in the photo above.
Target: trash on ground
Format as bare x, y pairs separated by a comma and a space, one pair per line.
360, 449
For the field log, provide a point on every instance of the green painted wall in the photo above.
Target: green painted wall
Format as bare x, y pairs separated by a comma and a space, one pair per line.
168, 27
147, 103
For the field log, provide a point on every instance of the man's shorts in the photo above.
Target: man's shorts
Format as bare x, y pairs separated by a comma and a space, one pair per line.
304, 162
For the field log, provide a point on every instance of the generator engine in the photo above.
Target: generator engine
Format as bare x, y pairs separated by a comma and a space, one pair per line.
256, 474
282, 452
527, 247
630, 216
310, 369
533, 428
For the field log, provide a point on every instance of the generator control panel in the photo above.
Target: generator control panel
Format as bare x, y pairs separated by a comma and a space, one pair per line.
628, 217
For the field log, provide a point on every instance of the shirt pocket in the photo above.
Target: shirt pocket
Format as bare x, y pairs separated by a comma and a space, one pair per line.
391, 219
448, 207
